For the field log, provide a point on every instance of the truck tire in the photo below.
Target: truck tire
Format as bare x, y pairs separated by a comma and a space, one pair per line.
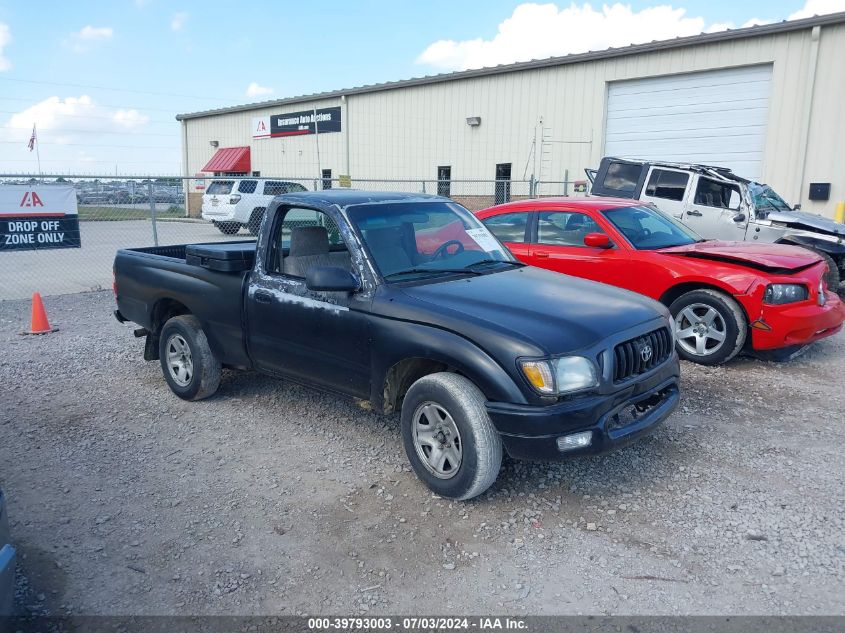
450, 441
710, 327
189, 366
227, 228
832, 279
254, 224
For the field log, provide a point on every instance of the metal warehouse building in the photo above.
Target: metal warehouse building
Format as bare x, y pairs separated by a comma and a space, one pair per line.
766, 101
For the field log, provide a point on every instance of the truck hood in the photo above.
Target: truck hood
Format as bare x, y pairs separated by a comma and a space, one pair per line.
807, 222
773, 258
529, 310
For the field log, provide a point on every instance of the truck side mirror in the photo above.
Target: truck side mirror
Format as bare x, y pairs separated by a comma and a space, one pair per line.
597, 240
797, 207
331, 279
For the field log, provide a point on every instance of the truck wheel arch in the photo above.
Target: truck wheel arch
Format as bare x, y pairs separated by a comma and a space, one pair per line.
402, 375
163, 310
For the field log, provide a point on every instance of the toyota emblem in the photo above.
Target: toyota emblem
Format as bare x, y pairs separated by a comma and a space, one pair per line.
646, 353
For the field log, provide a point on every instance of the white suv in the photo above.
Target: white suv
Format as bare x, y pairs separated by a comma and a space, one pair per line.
233, 203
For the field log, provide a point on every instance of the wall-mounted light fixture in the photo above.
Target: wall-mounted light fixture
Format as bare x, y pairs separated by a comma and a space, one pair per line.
214, 143
473, 121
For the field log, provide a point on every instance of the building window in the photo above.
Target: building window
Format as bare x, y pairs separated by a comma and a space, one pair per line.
444, 181
503, 183
327, 179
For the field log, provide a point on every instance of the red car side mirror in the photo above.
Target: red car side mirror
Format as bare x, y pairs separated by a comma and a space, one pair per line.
597, 240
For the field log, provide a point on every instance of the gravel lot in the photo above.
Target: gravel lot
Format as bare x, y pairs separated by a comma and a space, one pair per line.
272, 498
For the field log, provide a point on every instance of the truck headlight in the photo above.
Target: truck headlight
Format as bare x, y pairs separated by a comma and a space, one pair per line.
778, 294
573, 373
560, 375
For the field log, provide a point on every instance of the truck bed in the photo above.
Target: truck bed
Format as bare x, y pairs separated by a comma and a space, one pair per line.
155, 278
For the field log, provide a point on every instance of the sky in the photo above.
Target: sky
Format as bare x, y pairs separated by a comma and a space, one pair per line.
103, 81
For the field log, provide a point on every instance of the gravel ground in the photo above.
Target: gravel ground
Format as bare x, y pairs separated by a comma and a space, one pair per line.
272, 498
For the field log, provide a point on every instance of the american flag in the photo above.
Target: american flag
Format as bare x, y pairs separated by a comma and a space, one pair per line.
32, 139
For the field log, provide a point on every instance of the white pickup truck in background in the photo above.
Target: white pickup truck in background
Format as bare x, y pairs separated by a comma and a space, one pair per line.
718, 204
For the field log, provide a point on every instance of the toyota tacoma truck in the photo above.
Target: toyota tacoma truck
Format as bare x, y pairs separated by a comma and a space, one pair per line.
718, 204
409, 304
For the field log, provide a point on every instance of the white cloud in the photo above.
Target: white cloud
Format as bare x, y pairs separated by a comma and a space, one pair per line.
70, 120
537, 31
5, 38
87, 37
818, 7
254, 90
177, 23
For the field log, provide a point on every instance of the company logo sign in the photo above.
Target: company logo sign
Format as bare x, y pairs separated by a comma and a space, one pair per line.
302, 123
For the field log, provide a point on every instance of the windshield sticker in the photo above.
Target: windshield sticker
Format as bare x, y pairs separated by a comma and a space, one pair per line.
484, 239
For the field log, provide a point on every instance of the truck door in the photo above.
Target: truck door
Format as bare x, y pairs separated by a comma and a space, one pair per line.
309, 336
713, 210
667, 189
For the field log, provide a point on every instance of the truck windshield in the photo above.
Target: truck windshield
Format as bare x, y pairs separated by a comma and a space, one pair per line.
409, 240
648, 229
766, 199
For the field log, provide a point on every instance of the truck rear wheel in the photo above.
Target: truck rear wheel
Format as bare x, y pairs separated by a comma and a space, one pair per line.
189, 366
227, 228
450, 441
710, 327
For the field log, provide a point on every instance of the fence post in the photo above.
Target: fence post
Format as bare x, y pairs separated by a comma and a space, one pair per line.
566, 182
532, 187
153, 212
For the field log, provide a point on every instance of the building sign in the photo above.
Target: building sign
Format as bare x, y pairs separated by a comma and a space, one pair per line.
297, 123
34, 217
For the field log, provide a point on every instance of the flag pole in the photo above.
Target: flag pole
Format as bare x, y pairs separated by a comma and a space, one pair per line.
37, 152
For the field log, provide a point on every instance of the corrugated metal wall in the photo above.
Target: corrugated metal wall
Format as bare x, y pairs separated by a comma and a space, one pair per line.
406, 133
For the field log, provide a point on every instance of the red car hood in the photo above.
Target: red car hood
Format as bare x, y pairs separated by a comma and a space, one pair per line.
768, 257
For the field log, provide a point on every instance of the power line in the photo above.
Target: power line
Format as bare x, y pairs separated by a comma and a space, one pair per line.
67, 129
99, 105
22, 144
143, 92
92, 116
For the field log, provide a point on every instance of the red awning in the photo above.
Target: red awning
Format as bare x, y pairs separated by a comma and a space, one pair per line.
229, 159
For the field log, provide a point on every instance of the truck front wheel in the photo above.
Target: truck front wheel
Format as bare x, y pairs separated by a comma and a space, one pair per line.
189, 366
832, 278
449, 439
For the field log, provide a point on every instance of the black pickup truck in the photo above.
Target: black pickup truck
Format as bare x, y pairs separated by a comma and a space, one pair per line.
409, 303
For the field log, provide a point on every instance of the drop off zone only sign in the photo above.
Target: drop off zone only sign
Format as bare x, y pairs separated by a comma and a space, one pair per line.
38, 216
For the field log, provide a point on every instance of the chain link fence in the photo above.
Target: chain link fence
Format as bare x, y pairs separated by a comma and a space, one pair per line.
127, 212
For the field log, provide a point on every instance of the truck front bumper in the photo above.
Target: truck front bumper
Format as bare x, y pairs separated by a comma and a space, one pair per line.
612, 420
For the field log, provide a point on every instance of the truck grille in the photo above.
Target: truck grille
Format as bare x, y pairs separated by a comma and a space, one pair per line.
641, 354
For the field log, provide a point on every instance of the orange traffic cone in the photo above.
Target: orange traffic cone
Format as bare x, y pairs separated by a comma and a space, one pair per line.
39, 323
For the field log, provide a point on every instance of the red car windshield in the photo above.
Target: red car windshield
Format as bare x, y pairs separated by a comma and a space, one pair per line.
648, 229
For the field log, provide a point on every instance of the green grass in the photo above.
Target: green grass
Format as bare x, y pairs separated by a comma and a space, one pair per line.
117, 214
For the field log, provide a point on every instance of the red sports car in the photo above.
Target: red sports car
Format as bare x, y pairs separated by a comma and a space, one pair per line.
722, 295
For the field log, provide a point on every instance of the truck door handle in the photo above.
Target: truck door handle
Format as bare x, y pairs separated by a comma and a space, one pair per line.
262, 296
541, 254
694, 212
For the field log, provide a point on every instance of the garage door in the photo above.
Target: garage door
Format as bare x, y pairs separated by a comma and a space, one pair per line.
714, 117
